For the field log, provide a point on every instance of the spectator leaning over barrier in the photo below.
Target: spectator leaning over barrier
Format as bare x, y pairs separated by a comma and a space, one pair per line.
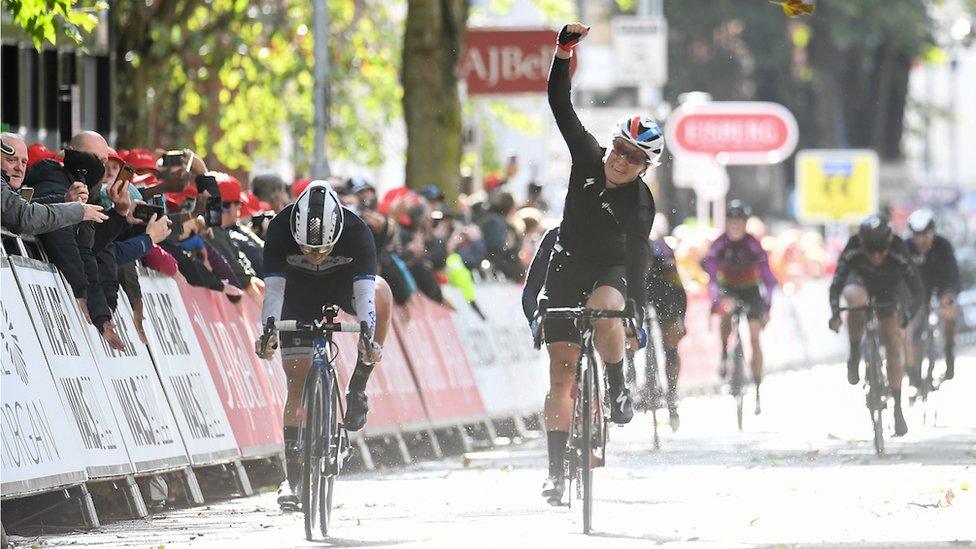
23, 217
14, 158
73, 249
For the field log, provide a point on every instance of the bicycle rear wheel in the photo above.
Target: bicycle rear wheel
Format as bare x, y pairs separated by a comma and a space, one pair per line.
313, 485
332, 454
586, 457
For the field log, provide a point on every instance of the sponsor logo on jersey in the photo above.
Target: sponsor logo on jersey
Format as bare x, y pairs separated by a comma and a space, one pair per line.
329, 264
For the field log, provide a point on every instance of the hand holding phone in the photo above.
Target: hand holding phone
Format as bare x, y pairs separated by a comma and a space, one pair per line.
145, 212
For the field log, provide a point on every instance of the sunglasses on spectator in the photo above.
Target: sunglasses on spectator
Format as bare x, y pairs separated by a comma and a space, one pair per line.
637, 158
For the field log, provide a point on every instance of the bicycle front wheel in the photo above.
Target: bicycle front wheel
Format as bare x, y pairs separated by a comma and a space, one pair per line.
876, 388
587, 449
313, 481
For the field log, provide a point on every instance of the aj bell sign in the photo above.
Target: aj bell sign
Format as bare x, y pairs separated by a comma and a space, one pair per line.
747, 132
507, 61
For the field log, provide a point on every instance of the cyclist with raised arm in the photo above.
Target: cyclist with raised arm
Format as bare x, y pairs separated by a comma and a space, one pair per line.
738, 271
667, 294
601, 254
319, 253
935, 259
875, 266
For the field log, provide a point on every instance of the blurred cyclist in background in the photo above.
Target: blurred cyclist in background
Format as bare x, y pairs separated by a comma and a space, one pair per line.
736, 265
935, 260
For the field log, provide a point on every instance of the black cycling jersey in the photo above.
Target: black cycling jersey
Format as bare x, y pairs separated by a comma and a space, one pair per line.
884, 279
535, 279
938, 266
308, 287
600, 226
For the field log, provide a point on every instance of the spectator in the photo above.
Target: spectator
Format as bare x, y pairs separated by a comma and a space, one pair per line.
222, 238
534, 198
73, 249
14, 159
271, 188
23, 217
38, 152
501, 240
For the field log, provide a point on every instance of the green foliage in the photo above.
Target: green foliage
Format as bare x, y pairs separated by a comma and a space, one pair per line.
44, 20
228, 77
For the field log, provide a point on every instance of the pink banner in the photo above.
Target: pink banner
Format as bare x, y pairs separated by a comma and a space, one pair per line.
432, 346
227, 349
699, 349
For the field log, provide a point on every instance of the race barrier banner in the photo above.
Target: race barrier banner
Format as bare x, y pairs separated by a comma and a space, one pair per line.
512, 375
136, 396
57, 321
446, 381
40, 450
206, 432
229, 354
394, 401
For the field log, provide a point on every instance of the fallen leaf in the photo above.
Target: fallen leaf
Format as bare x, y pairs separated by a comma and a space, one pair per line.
753, 521
796, 8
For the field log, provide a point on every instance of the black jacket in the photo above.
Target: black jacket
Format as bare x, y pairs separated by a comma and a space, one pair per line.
72, 249
600, 225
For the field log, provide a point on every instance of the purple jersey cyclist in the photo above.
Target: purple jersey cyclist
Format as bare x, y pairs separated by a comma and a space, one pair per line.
736, 265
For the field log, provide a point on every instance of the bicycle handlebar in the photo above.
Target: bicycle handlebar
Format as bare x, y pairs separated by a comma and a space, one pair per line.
544, 313
318, 327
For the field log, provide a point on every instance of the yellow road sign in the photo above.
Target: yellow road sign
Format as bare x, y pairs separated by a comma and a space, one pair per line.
836, 185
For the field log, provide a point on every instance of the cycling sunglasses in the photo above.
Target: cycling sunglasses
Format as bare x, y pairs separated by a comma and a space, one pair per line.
315, 250
637, 158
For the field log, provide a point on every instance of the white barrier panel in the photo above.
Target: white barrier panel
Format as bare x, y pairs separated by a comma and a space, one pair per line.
812, 307
56, 320
179, 361
512, 376
135, 394
781, 339
39, 451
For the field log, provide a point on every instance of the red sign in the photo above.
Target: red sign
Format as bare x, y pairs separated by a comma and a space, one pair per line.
733, 132
498, 61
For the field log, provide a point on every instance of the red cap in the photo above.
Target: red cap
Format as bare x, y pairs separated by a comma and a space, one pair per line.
145, 180
142, 159
36, 153
492, 181
114, 155
299, 186
175, 201
250, 205
393, 195
230, 187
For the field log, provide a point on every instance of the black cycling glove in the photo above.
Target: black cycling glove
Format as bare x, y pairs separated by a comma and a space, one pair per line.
568, 40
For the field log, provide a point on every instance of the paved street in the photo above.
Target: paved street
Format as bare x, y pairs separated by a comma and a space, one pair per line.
802, 474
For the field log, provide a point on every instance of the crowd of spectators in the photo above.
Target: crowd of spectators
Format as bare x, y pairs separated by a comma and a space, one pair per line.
99, 212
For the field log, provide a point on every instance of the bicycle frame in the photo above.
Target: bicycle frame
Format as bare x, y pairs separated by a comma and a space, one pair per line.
874, 373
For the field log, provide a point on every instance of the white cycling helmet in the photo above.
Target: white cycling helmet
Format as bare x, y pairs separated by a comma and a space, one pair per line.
316, 219
643, 133
922, 221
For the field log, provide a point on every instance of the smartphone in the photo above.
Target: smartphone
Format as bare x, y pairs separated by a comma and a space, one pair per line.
146, 211
125, 174
259, 219
27, 193
172, 159
213, 213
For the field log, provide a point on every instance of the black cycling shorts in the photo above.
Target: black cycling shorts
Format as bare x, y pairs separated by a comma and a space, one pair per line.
895, 294
569, 283
670, 302
334, 292
755, 305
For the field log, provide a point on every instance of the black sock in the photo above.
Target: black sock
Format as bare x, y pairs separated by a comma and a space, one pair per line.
357, 383
557, 450
615, 373
293, 461
671, 365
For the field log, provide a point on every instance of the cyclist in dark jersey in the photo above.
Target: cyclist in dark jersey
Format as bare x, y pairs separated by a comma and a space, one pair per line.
737, 264
666, 293
601, 255
319, 253
935, 260
875, 265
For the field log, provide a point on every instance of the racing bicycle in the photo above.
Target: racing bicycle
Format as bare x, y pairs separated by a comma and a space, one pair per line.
587, 447
874, 373
323, 441
929, 352
652, 393
734, 361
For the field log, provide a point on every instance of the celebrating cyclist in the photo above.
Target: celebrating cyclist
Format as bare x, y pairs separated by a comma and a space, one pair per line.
601, 254
319, 253
670, 302
935, 260
875, 266
737, 264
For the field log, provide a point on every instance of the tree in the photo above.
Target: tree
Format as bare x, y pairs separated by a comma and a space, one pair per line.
45, 20
432, 45
226, 77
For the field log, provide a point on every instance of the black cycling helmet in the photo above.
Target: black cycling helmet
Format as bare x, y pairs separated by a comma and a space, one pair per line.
875, 233
738, 209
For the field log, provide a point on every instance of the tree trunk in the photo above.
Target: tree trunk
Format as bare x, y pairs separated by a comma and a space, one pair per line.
432, 44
